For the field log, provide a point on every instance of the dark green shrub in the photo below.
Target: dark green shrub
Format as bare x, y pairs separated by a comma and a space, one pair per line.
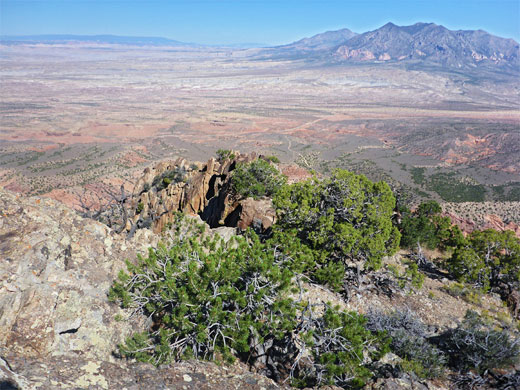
163, 180
274, 159
467, 292
429, 208
486, 259
467, 266
345, 219
411, 277
416, 278
209, 299
339, 342
256, 179
427, 227
205, 303
225, 154
410, 342
140, 207
477, 345
298, 257
500, 252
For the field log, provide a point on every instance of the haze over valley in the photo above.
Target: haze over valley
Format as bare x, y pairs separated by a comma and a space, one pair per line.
76, 110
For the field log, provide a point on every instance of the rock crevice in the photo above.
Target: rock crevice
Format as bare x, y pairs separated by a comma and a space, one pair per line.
198, 189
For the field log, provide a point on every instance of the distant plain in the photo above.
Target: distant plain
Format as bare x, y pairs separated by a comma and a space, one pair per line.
75, 114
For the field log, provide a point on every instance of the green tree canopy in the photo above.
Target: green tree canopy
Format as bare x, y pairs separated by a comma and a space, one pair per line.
256, 179
209, 299
487, 258
427, 227
345, 218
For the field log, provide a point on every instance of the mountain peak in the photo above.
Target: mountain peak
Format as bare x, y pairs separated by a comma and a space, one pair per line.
389, 25
326, 40
419, 43
432, 43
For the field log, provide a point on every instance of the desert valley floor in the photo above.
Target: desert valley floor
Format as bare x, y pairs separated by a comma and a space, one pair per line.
73, 115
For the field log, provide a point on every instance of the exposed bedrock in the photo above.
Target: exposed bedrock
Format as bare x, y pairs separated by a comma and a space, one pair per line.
198, 189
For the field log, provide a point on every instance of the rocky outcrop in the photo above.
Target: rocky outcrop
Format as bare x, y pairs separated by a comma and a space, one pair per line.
57, 327
345, 52
55, 271
470, 216
259, 214
495, 222
200, 189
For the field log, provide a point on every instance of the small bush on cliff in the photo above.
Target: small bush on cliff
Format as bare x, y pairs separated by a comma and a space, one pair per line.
487, 258
339, 342
163, 180
256, 179
217, 300
224, 154
343, 219
426, 226
480, 346
274, 159
409, 341
411, 278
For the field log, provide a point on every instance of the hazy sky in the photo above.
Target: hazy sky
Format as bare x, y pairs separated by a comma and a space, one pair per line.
238, 21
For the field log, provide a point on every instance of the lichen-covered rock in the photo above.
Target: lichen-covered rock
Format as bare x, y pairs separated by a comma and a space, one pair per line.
57, 328
78, 372
55, 271
258, 213
10, 380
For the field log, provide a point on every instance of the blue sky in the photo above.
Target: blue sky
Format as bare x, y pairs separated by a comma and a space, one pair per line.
237, 21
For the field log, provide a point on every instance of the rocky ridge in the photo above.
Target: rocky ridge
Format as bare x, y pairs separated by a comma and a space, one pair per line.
470, 216
58, 330
198, 189
420, 43
326, 40
431, 42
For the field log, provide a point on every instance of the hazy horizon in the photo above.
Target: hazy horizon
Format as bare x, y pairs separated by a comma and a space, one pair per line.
261, 22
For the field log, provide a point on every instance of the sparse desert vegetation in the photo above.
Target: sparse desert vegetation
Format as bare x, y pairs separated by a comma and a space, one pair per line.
310, 300
385, 122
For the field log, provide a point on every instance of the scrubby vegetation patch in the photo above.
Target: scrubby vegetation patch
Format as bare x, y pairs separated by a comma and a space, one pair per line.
256, 179
211, 299
343, 220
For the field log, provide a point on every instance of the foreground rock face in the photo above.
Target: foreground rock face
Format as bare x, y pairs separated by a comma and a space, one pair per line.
57, 328
80, 373
55, 272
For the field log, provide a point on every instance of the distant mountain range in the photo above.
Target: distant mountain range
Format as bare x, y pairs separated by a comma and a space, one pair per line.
323, 41
107, 39
421, 42
428, 41
114, 39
